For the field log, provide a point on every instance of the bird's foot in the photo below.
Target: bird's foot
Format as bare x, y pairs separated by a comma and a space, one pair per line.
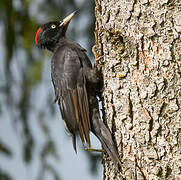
94, 150
98, 57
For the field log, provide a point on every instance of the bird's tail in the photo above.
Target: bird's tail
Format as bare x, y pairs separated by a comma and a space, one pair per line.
104, 135
101, 131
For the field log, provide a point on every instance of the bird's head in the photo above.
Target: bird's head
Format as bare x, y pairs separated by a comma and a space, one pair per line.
48, 35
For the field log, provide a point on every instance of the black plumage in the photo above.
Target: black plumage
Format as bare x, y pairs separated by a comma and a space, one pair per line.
76, 86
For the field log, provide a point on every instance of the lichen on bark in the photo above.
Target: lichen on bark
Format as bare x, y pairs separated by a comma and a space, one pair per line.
140, 42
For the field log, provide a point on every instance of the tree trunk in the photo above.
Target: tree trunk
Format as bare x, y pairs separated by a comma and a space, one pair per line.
140, 45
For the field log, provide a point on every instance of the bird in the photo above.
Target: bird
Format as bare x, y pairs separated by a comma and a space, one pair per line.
76, 86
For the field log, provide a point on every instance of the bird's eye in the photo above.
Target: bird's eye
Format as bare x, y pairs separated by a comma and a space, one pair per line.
53, 26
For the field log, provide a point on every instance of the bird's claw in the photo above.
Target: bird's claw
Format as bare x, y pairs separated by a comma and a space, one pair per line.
94, 150
97, 64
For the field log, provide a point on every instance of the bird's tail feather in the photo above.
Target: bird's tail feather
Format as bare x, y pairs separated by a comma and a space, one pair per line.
108, 145
101, 131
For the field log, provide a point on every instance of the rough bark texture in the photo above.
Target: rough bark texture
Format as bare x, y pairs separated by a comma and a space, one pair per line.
140, 42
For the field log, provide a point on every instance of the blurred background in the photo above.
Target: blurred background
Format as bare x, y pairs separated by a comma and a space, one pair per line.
33, 142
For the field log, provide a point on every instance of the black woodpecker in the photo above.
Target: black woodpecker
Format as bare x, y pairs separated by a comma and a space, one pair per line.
75, 82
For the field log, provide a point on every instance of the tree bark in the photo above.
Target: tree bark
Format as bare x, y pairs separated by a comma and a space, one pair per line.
140, 45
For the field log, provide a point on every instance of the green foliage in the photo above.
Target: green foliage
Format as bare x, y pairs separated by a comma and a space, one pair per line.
4, 175
4, 149
35, 72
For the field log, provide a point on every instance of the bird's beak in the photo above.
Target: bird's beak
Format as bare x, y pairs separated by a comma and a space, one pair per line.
66, 20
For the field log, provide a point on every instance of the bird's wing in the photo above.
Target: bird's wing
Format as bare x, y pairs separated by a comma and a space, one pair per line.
70, 90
